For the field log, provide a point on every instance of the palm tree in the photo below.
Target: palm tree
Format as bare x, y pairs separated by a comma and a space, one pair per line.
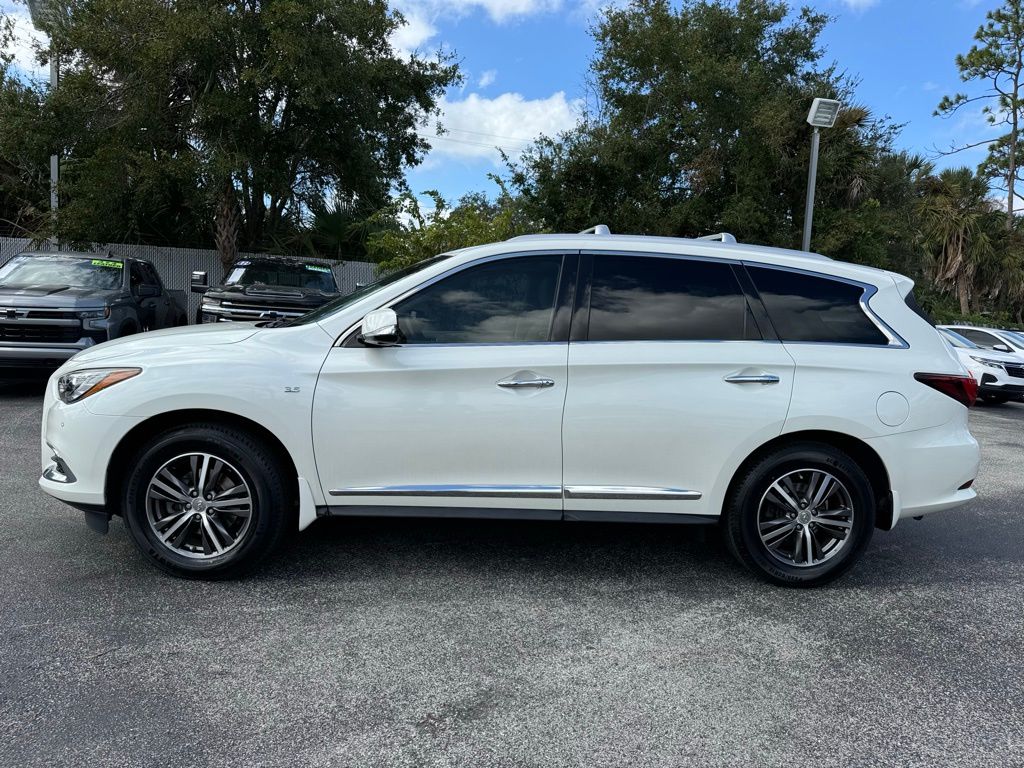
955, 210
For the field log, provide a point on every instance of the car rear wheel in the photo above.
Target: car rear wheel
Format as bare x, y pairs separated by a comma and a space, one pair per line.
800, 516
207, 501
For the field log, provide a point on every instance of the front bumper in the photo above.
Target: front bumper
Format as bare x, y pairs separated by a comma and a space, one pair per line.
26, 357
75, 449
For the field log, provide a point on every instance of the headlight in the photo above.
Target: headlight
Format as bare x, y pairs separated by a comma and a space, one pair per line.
94, 314
72, 387
990, 363
211, 302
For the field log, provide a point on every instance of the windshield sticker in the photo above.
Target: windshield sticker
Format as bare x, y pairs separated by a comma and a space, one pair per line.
108, 263
315, 268
242, 263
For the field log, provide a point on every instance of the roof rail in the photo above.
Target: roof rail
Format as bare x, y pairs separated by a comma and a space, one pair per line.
597, 229
721, 237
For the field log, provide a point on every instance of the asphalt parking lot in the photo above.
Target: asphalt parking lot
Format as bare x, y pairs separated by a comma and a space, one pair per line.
453, 643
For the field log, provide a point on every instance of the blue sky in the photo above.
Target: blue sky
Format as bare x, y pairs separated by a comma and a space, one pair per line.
525, 65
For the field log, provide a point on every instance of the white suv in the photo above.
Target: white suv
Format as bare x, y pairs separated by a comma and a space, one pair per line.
1000, 375
798, 401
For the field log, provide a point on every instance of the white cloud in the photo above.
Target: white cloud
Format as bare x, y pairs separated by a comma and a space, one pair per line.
859, 5
416, 31
487, 78
498, 10
477, 126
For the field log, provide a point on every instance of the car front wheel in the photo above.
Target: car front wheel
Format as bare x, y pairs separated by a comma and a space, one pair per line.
800, 516
207, 501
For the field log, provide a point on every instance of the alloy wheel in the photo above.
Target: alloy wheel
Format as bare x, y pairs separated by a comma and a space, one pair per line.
805, 518
199, 506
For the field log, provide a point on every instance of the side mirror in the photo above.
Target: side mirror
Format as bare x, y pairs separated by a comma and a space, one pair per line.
380, 329
149, 291
1001, 348
200, 282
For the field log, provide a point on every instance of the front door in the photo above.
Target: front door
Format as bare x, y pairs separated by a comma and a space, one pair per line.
672, 383
465, 414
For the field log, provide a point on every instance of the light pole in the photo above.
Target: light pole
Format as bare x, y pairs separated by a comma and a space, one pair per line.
39, 10
823, 114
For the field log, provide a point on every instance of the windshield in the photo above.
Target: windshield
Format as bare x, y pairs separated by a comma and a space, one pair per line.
957, 340
1012, 339
312, 277
360, 293
61, 271
1016, 337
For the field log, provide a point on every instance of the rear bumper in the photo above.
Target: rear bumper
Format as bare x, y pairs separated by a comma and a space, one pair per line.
930, 470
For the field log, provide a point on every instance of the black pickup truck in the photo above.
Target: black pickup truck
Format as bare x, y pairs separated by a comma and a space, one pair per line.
53, 305
265, 288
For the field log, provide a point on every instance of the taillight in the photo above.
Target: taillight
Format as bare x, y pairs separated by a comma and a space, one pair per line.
963, 389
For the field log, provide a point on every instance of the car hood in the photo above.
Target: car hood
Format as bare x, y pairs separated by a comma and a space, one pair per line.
55, 297
142, 345
271, 294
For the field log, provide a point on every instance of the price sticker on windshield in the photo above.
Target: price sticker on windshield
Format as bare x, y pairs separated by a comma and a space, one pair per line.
108, 263
315, 268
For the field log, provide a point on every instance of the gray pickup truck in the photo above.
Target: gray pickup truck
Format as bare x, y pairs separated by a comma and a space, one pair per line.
53, 305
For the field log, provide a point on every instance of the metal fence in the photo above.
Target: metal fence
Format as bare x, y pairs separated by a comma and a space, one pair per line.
176, 265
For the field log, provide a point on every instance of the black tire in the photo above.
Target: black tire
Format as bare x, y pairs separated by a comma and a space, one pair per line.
273, 512
740, 517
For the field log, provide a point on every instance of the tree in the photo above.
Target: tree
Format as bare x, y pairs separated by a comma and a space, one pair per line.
955, 212
231, 120
411, 235
997, 60
701, 128
24, 166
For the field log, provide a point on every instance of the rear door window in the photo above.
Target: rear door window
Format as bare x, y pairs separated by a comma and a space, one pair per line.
813, 308
652, 298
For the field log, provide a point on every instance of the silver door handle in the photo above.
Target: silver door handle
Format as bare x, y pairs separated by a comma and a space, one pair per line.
761, 378
527, 383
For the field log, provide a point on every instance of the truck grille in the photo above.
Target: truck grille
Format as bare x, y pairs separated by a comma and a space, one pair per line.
40, 334
236, 310
1017, 371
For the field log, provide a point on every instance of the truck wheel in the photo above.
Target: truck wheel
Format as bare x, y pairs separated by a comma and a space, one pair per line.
127, 329
801, 516
207, 501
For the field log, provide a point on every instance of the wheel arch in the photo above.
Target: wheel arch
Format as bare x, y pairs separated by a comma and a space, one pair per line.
858, 450
137, 436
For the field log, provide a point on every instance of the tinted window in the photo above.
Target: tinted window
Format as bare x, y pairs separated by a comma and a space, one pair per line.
512, 300
315, 277
980, 337
644, 298
810, 308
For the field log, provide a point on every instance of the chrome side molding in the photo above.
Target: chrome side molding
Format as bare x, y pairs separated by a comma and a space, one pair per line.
456, 491
629, 493
606, 492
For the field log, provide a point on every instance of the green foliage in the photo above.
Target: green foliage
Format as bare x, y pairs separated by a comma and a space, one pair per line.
258, 109
24, 154
702, 129
414, 235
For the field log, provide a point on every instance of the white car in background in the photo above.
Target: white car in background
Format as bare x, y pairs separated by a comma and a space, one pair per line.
1000, 375
796, 401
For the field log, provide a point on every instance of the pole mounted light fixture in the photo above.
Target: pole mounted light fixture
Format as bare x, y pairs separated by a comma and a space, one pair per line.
823, 114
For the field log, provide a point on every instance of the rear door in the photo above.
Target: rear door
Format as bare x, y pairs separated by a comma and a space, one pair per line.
672, 377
